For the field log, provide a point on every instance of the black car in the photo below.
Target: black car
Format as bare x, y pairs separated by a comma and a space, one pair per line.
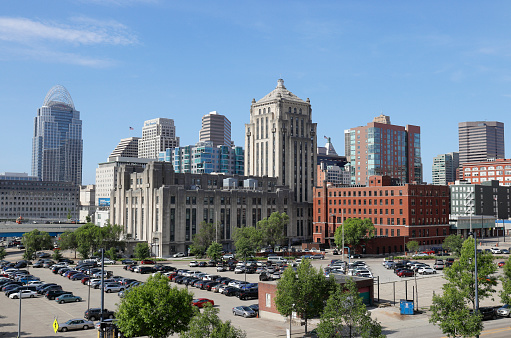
488, 312
146, 269
230, 291
49, 288
19, 288
128, 261
264, 276
248, 294
52, 294
212, 263
95, 314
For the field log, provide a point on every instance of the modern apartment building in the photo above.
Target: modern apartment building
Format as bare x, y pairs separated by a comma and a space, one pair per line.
216, 128
280, 141
127, 147
165, 208
444, 168
481, 141
57, 146
205, 158
480, 172
383, 149
407, 211
157, 135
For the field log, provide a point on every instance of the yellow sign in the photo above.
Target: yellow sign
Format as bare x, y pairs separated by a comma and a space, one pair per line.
55, 325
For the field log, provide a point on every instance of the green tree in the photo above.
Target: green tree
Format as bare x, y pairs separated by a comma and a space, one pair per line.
412, 246
3, 253
36, 240
90, 238
208, 325
272, 229
67, 241
56, 255
346, 314
246, 241
155, 309
505, 293
203, 239
88, 219
459, 291
303, 291
215, 251
354, 231
142, 250
111, 253
453, 243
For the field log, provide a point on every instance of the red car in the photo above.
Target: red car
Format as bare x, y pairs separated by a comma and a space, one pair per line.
405, 273
501, 264
199, 302
147, 261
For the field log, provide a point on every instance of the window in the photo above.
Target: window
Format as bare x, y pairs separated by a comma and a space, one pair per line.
268, 300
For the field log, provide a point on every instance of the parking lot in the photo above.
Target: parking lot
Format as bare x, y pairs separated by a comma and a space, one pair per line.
38, 314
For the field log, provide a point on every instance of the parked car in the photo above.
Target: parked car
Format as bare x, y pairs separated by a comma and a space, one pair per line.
24, 294
193, 264
200, 302
107, 261
147, 261
495, 251
113, 287
488, 312
405, 273
67, 298
52, 294
76, 324
420, 254
426, 271
95, 314
439, 264
248, 294
501, 264
244, 311
504, 311
128, 261
179, 254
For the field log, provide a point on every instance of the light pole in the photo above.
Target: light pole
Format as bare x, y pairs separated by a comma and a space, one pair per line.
476, 302
19, 317
88, 299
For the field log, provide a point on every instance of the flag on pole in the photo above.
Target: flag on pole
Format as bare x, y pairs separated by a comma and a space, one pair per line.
131, 128
326, 138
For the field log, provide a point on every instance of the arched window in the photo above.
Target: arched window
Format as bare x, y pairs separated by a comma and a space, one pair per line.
264, 111
294, 111
300, 110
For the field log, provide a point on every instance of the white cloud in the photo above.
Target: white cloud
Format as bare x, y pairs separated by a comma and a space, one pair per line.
88, 32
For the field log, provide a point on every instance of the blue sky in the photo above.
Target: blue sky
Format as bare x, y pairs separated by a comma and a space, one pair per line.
431, 64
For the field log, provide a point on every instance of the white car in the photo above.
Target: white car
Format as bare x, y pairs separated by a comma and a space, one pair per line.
228, 256
107, 261
426, 271
239, 269
35, 283
194, 264
421, 254
24, 294
179, 254
495, 251
113, 287
221, 268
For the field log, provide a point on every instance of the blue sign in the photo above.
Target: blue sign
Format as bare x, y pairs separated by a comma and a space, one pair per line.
104, 202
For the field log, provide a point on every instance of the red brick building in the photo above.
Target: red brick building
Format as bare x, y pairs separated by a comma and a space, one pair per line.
478, 172
400, 213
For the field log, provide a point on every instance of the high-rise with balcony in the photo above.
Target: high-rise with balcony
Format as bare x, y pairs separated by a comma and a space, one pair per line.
481, 141
383, 149
127, 147
157, 135
216, 128
57, 145
444, 168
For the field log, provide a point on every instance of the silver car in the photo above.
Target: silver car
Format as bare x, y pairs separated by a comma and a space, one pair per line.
244, 311
115, 287
76, 324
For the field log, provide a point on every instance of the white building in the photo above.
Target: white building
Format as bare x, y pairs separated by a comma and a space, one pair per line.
157, 135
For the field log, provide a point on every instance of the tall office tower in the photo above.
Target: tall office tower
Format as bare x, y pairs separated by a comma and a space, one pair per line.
127, 147
57, 145
444, 168
157, 135
216, 128
383, 149
480, 141
281, 141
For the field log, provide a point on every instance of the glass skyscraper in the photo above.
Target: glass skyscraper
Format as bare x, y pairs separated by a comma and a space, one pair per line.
57, 145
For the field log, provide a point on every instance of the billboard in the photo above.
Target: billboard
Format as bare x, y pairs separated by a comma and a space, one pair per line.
104, 202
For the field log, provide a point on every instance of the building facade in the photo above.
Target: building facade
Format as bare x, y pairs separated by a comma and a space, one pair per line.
408, 211
166, 208
157, 135
57, 146
40, 201
478, 206
481, 141
480, 172
216, 128
383, 149
444, 168
205, 158
87, 206
127, 147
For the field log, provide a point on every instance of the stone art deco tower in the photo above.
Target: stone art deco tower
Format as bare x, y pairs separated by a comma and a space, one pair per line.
280, 141
57, 145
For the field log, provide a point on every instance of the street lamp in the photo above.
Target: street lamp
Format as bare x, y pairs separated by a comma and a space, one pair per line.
475, 273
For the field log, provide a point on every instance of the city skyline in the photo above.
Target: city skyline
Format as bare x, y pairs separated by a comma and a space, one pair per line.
128, 63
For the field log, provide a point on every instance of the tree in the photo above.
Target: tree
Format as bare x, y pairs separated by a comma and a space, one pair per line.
3, 253
460, 291
208, 324
346, 314
90, 238
155, 309
142, 250
453, 243
272, 229
303, 292
56, 255
111, 253
67, 241
354, 231
203, 238
215, 251
36, 240
88, 219
246, 241
505, 294
412, 246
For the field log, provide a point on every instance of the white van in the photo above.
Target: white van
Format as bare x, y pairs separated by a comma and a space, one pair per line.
276, 259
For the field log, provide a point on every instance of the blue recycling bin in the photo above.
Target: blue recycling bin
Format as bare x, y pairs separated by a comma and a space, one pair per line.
406, 307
